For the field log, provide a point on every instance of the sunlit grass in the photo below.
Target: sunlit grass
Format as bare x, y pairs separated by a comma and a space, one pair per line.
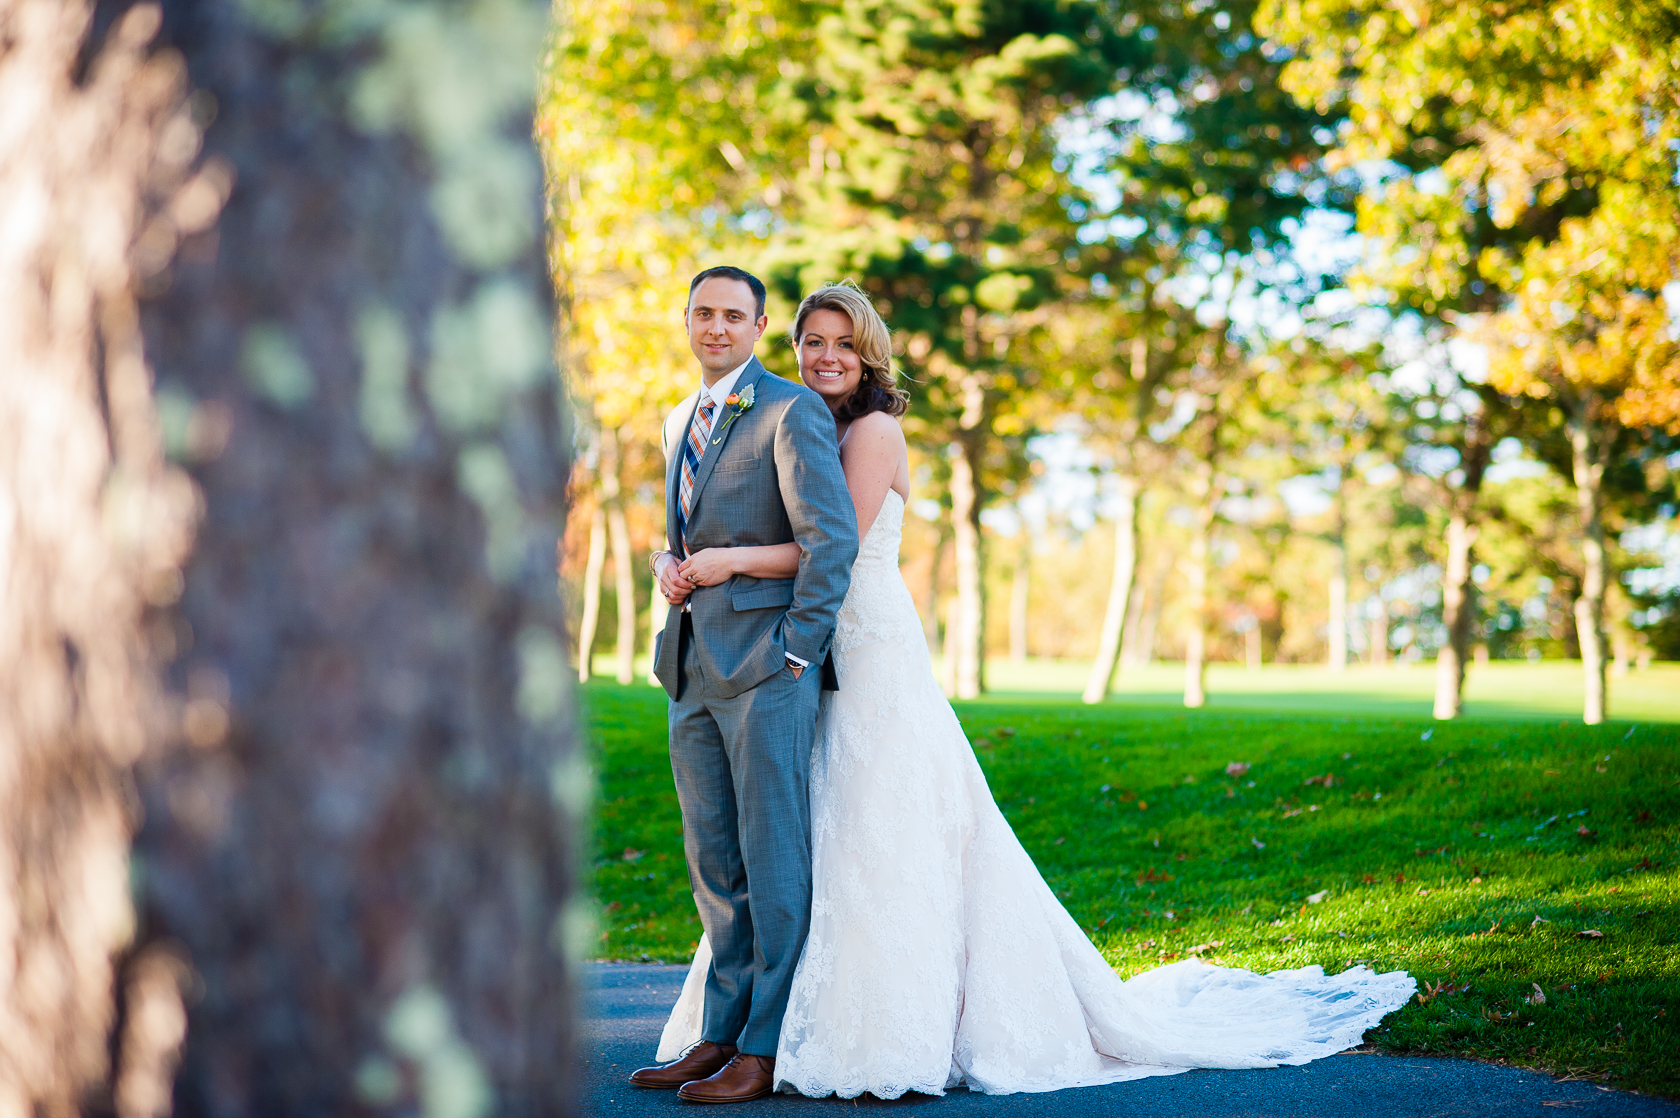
1472, 854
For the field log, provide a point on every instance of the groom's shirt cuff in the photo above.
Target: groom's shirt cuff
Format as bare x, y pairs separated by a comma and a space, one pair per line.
792, 659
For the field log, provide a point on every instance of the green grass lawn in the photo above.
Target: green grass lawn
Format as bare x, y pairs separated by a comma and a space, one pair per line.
1478, 855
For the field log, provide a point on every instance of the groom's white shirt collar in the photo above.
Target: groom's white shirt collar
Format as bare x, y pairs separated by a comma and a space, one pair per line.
720, 391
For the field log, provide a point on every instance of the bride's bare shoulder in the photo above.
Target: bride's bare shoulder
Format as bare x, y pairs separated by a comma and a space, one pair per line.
876, 431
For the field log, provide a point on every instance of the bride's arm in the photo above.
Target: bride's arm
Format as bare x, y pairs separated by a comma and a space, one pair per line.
713, 565
873, 456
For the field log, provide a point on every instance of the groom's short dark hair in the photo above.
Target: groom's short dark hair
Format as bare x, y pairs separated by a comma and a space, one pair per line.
729, 271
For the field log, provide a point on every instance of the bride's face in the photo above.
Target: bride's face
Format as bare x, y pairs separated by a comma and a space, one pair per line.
828, 363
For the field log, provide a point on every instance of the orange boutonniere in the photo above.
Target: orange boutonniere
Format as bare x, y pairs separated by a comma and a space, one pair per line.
740, 401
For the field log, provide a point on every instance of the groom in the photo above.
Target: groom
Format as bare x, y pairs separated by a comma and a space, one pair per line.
751, 459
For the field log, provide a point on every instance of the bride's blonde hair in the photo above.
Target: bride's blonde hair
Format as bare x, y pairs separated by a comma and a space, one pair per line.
878, 390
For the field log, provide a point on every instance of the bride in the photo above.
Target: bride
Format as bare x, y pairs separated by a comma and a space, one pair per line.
937, 954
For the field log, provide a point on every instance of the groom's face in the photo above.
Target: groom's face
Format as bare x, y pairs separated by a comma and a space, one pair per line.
723, 325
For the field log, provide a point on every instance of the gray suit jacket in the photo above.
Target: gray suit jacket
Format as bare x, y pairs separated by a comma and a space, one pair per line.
771, 476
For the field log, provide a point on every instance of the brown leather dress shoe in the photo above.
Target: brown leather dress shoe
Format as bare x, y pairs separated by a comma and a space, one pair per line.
741, 1079
698, 1062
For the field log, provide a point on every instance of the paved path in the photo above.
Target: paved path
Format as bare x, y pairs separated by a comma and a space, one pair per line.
629, 1004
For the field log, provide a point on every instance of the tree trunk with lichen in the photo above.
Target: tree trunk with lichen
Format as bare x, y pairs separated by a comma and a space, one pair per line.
361, 843
95, 185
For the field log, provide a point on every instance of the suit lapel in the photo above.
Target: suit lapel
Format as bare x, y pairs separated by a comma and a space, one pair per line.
714, 447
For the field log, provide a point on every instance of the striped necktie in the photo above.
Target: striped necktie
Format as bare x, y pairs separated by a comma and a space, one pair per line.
694, 449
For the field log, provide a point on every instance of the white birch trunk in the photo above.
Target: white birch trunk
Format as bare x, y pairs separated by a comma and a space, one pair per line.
1338, 630
965, 524
1457, 596
1588, 463
1119, 593
1377, 633
1019, 591
624, 563
591, 591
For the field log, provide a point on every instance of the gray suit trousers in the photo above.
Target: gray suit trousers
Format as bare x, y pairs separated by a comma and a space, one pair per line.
750, 870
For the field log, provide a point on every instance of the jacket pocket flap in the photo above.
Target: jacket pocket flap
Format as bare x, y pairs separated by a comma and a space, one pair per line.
765, 595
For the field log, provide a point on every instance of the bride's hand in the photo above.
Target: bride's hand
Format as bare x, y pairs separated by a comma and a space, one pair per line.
707, 567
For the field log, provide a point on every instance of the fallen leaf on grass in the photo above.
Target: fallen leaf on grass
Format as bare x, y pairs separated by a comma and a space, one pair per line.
1590, 933
1434, 990
1237, 768
1258, 845
1538, 920
1584, 832
1201, 947
1326, 779
1538, 997
633, 855
1315, 898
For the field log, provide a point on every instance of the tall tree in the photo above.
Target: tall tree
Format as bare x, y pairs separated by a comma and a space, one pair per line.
1213, 166
95, 169
361, 841
1532, 203
934, 175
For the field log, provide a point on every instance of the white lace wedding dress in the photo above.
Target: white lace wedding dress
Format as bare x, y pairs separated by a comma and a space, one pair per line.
937, 954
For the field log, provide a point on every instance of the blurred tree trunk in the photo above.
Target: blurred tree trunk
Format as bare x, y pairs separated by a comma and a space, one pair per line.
930, 605
1020, 590
1196, 578
1377, 635
1458, 591
95, 152
1338, 628
593, 566
1137, 647
1120, 588
968, 676
1588, 444
1207, 491
624, 563
1123, 584
953, 639
363, 847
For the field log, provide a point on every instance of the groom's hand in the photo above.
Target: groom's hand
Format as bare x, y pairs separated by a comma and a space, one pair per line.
671, 583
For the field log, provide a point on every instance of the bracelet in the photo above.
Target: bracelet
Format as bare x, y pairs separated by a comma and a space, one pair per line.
653, 561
